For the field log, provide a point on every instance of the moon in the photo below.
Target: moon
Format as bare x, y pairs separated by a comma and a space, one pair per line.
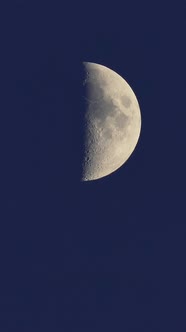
112, 121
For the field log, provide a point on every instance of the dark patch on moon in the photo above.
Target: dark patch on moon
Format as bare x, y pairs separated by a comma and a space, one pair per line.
93, 93
100, 111
121, 121
126, 101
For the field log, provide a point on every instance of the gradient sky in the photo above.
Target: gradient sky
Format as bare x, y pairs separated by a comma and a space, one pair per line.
106, 255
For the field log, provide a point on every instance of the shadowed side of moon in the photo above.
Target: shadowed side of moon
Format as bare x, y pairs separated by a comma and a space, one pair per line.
112, 122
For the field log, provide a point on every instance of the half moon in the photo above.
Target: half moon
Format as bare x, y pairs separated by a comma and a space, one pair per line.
112, 122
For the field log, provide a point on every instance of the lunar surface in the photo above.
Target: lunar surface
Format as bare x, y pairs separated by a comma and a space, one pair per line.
112, 121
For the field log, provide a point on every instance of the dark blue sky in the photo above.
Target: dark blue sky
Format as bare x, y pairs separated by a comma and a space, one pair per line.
106, 255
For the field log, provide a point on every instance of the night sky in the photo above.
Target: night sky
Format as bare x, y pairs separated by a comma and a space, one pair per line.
105, 255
